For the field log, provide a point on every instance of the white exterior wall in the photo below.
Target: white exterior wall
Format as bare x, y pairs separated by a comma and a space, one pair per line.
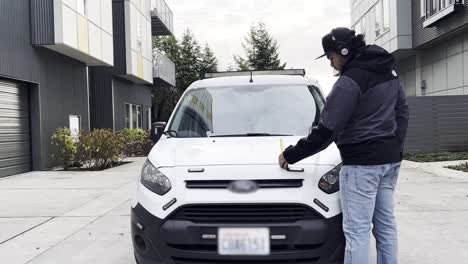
444, 69
88, 36
398, 36
139, 61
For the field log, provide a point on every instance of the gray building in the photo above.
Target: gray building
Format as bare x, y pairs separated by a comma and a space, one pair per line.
429, 39
120, 96
53, 56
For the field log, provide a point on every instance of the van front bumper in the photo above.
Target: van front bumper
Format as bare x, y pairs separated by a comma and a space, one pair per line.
178, 238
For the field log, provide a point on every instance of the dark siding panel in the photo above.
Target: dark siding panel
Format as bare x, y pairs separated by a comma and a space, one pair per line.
438, 123
17, 58
63, 92
118, 17
100, 101
58, 84
128, 92
422, 36
42, 22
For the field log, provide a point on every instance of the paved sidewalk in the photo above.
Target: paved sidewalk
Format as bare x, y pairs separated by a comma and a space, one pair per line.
68, 217
83, 217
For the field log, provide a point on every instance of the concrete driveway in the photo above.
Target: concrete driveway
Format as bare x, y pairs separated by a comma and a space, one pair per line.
83, 217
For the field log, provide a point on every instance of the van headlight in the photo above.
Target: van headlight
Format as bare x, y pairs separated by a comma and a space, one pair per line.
154, 180
330, 182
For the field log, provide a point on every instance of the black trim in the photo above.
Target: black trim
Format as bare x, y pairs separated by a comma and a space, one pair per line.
323, 206
262, 184
169, 204
168, 241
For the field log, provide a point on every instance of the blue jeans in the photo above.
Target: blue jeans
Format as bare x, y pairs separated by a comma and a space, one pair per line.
366, 200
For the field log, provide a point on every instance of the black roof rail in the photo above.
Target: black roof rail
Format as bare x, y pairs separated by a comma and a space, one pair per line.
300, 72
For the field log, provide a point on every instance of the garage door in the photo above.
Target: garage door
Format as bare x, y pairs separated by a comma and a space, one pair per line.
15, 147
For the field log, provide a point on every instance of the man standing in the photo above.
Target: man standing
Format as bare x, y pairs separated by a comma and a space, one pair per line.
367, 116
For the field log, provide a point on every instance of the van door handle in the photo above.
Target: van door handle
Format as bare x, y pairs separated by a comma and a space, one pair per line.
295, 169
197, 170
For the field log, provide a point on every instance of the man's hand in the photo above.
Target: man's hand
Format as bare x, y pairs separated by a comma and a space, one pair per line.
282, 162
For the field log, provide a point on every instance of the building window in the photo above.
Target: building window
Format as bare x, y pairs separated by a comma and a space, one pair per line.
435, 10
360, 26
128, 113
75, 125
133, 116
378, 18
139, 40
432, 7
386, 15
382, 17
139, 117
148, 114
82, 7
423, 8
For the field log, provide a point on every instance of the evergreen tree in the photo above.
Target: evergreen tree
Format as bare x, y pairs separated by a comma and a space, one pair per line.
191, 64
209, 63
190, 60
262, 51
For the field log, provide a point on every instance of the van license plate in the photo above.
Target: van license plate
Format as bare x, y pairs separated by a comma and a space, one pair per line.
244, 241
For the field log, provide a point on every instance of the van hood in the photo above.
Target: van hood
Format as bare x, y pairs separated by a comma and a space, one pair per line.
171, 152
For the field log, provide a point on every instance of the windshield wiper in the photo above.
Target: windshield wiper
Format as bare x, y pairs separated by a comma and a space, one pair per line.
252, 135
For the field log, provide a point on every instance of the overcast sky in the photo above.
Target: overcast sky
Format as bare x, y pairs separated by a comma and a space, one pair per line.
298, 25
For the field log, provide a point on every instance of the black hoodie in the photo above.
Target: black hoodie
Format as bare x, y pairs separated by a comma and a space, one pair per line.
365, 114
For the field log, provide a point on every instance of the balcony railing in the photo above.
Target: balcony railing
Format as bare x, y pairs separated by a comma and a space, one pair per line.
163, 70
162, 18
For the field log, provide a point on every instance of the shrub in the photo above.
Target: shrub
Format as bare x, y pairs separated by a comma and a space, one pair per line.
100, 149
67, 147
136, 141
436, 156
461, 167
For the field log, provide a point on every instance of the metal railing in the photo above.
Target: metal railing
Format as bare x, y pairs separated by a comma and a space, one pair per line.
161, 9
163, 68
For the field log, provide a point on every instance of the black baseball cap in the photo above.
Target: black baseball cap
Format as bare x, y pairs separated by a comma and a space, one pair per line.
340, 36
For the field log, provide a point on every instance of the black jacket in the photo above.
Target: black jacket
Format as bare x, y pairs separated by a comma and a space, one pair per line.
365, 114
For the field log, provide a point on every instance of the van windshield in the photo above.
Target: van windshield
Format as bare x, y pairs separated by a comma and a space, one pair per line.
246, 111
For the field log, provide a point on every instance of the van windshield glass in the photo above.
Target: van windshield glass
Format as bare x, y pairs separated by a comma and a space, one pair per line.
245, 111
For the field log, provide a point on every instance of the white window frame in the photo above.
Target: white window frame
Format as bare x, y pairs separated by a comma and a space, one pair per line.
443, 4
445, 8
82, 7
139, 33
139, 124
149, 117
378, 11
423, 8
379, 8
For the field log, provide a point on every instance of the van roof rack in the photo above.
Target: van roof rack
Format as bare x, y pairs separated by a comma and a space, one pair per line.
300, 72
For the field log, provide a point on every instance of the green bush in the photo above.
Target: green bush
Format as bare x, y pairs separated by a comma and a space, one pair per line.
436, 156
137, 142
67, 147
461, 167
100, 149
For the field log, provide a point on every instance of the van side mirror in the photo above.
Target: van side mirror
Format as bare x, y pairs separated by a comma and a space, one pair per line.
157, 130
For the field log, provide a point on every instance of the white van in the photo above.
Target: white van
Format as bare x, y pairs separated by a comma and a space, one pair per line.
212, 191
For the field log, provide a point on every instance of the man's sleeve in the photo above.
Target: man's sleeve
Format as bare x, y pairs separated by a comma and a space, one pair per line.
402, 117
338, 110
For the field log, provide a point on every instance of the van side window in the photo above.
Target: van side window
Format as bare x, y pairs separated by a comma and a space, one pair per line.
319, 102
